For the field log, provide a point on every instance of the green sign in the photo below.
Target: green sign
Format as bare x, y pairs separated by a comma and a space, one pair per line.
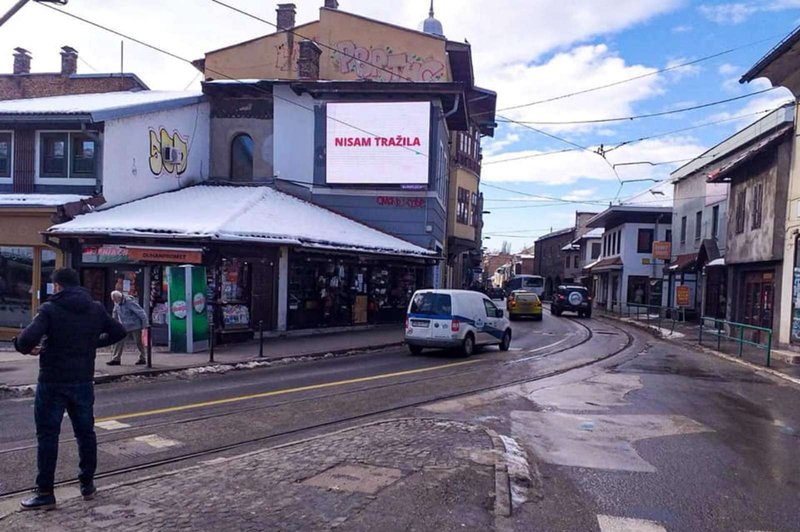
188, 320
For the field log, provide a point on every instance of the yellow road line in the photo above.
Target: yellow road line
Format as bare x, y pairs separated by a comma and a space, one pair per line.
280, 392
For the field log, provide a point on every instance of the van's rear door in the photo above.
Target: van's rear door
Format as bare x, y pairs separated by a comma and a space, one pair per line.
430, 315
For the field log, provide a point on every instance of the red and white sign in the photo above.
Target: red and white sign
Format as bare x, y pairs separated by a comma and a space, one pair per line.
378, 143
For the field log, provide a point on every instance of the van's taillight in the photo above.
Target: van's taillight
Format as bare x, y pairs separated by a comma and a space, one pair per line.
455, 326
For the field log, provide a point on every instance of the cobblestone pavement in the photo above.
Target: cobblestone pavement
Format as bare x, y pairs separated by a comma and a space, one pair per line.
407, 474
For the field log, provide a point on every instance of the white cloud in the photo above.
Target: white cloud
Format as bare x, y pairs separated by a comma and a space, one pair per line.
581, 194
738, 12
727, 69
682, 29
680, 73
569, 167
496, 145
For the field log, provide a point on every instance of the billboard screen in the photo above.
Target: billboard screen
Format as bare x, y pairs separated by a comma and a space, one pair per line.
377, 143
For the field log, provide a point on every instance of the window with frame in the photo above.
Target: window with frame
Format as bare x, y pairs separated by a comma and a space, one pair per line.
462, 211
715, 221
698, 225
53, 161
5, 154
242, 148
475, 210
84, 156
741, 197
683, 230
577, 261
567, 261
644, 241
758, 205
595, 250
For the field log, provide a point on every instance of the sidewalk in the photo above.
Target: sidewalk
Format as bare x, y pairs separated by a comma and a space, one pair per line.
400, 474
20, 370
688, 334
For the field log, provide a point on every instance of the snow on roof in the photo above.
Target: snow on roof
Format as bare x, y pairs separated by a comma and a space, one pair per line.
237, 214
570, 247
101, 106
38, 200
597, 232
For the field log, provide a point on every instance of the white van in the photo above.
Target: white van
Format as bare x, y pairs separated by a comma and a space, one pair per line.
529, 283
455, 318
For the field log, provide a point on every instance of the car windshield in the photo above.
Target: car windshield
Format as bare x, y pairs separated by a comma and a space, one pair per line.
431, 304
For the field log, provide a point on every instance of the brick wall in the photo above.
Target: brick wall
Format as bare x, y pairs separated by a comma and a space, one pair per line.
14, 87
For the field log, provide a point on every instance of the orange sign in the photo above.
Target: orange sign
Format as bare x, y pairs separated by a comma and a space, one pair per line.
683, 296
662, 250
175, 256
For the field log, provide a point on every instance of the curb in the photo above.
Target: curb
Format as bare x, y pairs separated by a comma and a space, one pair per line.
690, 345
21, 390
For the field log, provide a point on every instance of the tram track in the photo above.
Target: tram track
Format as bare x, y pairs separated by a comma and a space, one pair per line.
120, 434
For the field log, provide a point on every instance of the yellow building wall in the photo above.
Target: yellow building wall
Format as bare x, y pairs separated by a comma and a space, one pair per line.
460, 178
401, 54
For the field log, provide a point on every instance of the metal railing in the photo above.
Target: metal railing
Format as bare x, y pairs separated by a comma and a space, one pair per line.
735, 332
655, 315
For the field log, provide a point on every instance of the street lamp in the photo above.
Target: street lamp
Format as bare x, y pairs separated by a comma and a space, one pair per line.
21, 3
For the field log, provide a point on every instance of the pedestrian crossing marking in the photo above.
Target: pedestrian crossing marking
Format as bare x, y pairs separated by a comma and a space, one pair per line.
610, 523
111, 425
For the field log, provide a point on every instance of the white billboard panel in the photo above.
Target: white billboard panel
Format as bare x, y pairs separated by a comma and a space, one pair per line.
378, 143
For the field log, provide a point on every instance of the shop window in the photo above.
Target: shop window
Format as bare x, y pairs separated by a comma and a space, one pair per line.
462, 210
53, 161
683, 230
758, 205
83, 156
46, 287
741, 197
595, 250
5, 154
16, 284
234, 294
637, 289
644, 241
242, 158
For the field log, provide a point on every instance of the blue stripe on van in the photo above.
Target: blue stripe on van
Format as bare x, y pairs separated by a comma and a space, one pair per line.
440, 317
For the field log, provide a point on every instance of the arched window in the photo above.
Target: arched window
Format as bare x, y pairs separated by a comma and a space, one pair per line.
242, 158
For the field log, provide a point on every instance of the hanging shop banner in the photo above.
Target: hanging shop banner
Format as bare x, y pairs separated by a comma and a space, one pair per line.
188, 320
662, 250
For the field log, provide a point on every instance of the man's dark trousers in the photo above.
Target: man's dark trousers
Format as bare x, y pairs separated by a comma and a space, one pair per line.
52, 400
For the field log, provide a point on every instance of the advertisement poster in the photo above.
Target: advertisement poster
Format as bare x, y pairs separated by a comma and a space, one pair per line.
683, 296
381, 143
188, 319
796, 306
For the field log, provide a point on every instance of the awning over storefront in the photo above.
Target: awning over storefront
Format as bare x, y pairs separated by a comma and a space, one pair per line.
237, 214
684, 263
613, 263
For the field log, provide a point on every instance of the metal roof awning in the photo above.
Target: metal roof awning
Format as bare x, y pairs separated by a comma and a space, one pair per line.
604, 265
723, 173
684, 263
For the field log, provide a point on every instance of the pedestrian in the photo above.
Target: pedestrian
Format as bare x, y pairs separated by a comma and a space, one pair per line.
65, 334
133, 317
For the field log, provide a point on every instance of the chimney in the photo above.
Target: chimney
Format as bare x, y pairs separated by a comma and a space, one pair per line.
286, 14
69, 60
22, 61
332, 4
308, 60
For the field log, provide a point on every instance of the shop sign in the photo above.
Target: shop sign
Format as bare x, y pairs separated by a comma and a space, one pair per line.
662, 250
768, 276
104, 254
174, 256
683, 296
645, 261
399, 201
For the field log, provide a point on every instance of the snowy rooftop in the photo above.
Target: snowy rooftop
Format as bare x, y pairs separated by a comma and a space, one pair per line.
238, 214
38, 200
100, 106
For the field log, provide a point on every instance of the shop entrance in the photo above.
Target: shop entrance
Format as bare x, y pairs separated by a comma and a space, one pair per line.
759, 291
716, 293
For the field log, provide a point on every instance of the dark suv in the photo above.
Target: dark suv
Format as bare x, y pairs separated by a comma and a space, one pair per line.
572, 298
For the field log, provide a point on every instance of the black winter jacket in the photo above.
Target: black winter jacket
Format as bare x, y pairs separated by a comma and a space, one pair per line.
71, 326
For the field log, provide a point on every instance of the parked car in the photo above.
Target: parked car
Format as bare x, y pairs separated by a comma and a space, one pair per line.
521, 303
496, 293
455, 319
572, 298
531, 283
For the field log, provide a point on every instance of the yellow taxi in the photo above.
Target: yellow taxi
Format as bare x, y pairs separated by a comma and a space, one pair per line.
523, 303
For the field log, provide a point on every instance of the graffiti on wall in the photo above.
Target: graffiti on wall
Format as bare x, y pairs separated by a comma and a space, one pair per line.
168, 153
384, 64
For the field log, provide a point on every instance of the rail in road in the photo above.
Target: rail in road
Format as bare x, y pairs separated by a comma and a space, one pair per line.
430, 378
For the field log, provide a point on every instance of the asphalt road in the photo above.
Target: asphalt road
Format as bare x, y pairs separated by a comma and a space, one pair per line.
619, 430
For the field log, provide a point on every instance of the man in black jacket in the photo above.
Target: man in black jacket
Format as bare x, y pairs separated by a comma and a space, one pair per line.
65, 334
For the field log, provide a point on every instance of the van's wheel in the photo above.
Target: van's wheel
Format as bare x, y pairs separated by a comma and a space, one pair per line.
468, 346
415, 350
505, 343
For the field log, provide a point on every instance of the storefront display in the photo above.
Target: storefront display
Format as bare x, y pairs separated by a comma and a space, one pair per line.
234, 294
16, 281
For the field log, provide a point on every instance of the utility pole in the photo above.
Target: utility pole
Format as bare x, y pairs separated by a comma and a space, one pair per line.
21, 3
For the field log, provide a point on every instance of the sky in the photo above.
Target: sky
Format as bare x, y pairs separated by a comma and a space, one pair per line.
526, 51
